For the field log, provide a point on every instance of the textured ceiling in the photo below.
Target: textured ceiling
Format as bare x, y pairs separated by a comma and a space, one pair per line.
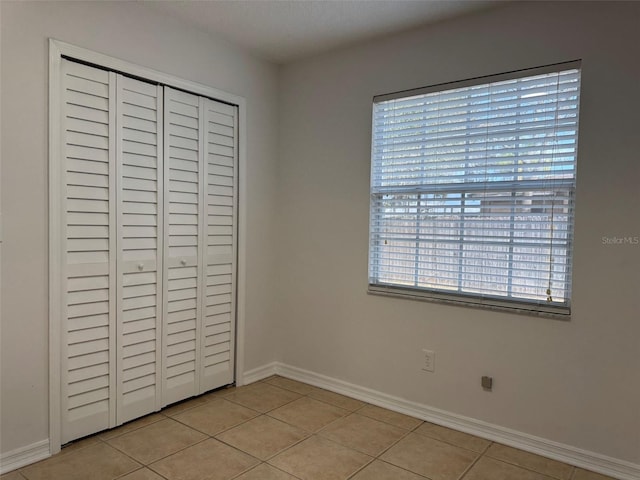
286, 30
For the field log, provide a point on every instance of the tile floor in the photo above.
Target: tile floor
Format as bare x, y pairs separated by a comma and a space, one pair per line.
280, 429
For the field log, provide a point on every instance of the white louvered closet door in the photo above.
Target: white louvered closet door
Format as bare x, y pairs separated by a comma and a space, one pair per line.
139, 264
184, 189
219, 272
88, 335
148, 269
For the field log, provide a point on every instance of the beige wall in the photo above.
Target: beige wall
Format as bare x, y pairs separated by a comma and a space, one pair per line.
574, 382
141, 35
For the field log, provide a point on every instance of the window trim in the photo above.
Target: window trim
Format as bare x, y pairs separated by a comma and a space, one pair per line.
489, 302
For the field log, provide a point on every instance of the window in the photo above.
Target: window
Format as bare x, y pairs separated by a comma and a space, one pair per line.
472, 190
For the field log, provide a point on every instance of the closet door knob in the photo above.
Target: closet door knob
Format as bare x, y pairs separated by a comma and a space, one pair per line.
183, 262
140, 266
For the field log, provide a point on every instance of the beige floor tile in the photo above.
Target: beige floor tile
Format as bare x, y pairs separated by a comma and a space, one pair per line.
265, 472
156, 441
262, 437
208, 460
15, 475
531, 461
216, 416
429, 457
581, 474
262, 397
308, 414
336, 399
320, 459
177, 408
363, 434
131, 426
293, 385
142, 474
97, 462
460, 439
384, 471
490, 469
387, 416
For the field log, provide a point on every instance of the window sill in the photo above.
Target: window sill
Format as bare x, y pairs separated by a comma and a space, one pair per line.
556, 313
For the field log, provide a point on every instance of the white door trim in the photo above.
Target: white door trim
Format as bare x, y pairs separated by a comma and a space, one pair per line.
57, 50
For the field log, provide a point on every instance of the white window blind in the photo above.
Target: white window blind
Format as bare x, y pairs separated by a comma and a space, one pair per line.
472, 190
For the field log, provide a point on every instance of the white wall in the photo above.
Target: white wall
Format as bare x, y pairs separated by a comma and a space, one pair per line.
138, 34
575, 382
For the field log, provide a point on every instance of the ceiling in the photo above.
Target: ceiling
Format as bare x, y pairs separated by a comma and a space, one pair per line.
286, 30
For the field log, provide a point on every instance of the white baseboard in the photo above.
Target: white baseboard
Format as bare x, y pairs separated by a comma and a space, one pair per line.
23, 456
259, 373
596, 462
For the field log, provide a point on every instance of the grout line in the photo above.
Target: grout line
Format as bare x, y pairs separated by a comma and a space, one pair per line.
241, 451
525, 467
272, 409
529, 469
449, 442
221, 431
310, 395
480, 455
137, 470
373, 459
406, 434
374, 455
331, 404
306, 435
127, 455
267, 381
400, 468
310, 435
106, 440
280, 470
161, 458
414, 429
268, 465
343, 417
389, 423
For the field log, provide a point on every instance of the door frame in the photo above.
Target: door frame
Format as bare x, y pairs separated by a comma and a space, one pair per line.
58, 50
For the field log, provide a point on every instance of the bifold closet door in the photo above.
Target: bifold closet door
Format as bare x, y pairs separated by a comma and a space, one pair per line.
139, 156
219, 299
112, 249
88, 330
183, 169
200, 244
148, 247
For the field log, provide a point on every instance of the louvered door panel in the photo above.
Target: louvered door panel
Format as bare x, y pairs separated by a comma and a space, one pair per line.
218, 302
140, 203
183, 245
149, 247
88, 330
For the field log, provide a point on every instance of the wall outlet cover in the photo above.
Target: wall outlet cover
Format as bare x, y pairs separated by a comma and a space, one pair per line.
428, 361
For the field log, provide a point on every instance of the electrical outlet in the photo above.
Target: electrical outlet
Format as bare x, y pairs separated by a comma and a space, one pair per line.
428, 361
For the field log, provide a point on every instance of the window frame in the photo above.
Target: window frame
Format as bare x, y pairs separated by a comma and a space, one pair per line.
487, 301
